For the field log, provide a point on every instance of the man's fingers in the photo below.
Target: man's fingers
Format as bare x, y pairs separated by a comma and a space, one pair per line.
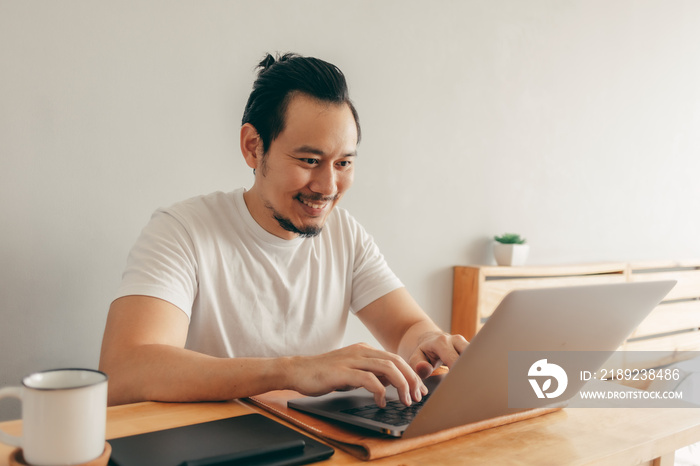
448, 348
395, 370
398, 374
455, 346
443, 348
460, 343
359, 365
370, 382
424, 369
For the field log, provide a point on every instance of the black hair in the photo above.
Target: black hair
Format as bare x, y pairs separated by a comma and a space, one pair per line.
277, 82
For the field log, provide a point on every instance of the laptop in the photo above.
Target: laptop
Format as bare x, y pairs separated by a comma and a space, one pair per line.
593, 319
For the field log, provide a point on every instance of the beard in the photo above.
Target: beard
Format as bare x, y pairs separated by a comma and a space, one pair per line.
303, 231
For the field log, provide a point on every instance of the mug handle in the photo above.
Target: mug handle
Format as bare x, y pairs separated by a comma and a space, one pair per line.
15, 392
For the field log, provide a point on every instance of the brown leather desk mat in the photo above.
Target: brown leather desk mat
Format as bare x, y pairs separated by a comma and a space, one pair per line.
362, 443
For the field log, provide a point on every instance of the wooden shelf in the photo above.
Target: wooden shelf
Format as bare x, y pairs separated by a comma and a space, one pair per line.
673, 327
479, 289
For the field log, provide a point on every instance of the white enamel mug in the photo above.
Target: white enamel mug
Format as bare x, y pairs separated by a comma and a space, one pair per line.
64, 413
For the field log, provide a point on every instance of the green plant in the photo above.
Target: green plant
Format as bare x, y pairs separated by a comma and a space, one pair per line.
510, 238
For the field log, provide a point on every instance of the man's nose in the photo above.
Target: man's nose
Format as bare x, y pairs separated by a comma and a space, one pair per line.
324, 181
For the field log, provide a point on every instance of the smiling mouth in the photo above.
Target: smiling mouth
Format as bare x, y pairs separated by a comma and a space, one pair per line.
313, 205
316, 203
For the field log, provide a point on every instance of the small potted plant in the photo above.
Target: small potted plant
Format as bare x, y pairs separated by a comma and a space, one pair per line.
510, 249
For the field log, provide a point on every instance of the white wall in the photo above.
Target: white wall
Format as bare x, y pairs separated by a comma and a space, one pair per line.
575, 123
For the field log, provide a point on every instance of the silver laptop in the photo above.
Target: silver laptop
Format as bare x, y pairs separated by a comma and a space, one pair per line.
593, 319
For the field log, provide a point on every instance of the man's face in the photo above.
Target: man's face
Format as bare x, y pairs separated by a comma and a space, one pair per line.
306, 170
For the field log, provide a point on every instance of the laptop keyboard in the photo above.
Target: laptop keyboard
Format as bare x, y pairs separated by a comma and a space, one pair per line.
395, 413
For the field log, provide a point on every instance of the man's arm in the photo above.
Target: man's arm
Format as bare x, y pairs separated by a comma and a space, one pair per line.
401, 326
143, 353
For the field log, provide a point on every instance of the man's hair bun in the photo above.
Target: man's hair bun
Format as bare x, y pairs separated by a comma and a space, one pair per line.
269, 61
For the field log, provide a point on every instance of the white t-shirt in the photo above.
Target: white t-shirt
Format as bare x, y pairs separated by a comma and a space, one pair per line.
248, 292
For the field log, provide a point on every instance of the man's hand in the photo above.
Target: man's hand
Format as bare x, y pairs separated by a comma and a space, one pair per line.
355, 366
400, 325
436, 348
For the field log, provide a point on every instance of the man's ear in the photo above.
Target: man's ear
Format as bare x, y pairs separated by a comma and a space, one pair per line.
251, 146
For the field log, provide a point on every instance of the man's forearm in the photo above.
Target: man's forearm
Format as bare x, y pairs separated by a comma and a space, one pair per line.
167, 373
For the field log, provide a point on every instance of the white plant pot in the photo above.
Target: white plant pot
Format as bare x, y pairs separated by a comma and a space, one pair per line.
510, 254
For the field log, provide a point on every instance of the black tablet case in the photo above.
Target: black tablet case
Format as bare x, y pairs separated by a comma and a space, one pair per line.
246, 435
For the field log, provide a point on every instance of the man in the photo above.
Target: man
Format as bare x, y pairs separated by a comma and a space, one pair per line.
231, 295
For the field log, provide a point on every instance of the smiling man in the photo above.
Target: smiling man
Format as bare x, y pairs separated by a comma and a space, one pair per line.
234, 294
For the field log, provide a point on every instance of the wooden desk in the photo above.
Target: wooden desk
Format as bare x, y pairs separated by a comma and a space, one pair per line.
569, 437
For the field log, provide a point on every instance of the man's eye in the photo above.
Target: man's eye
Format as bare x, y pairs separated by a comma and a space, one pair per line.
310, 161
345, 163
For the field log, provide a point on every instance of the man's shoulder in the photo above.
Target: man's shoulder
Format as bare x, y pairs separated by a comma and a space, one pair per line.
215, 202
208, 210
216, 199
